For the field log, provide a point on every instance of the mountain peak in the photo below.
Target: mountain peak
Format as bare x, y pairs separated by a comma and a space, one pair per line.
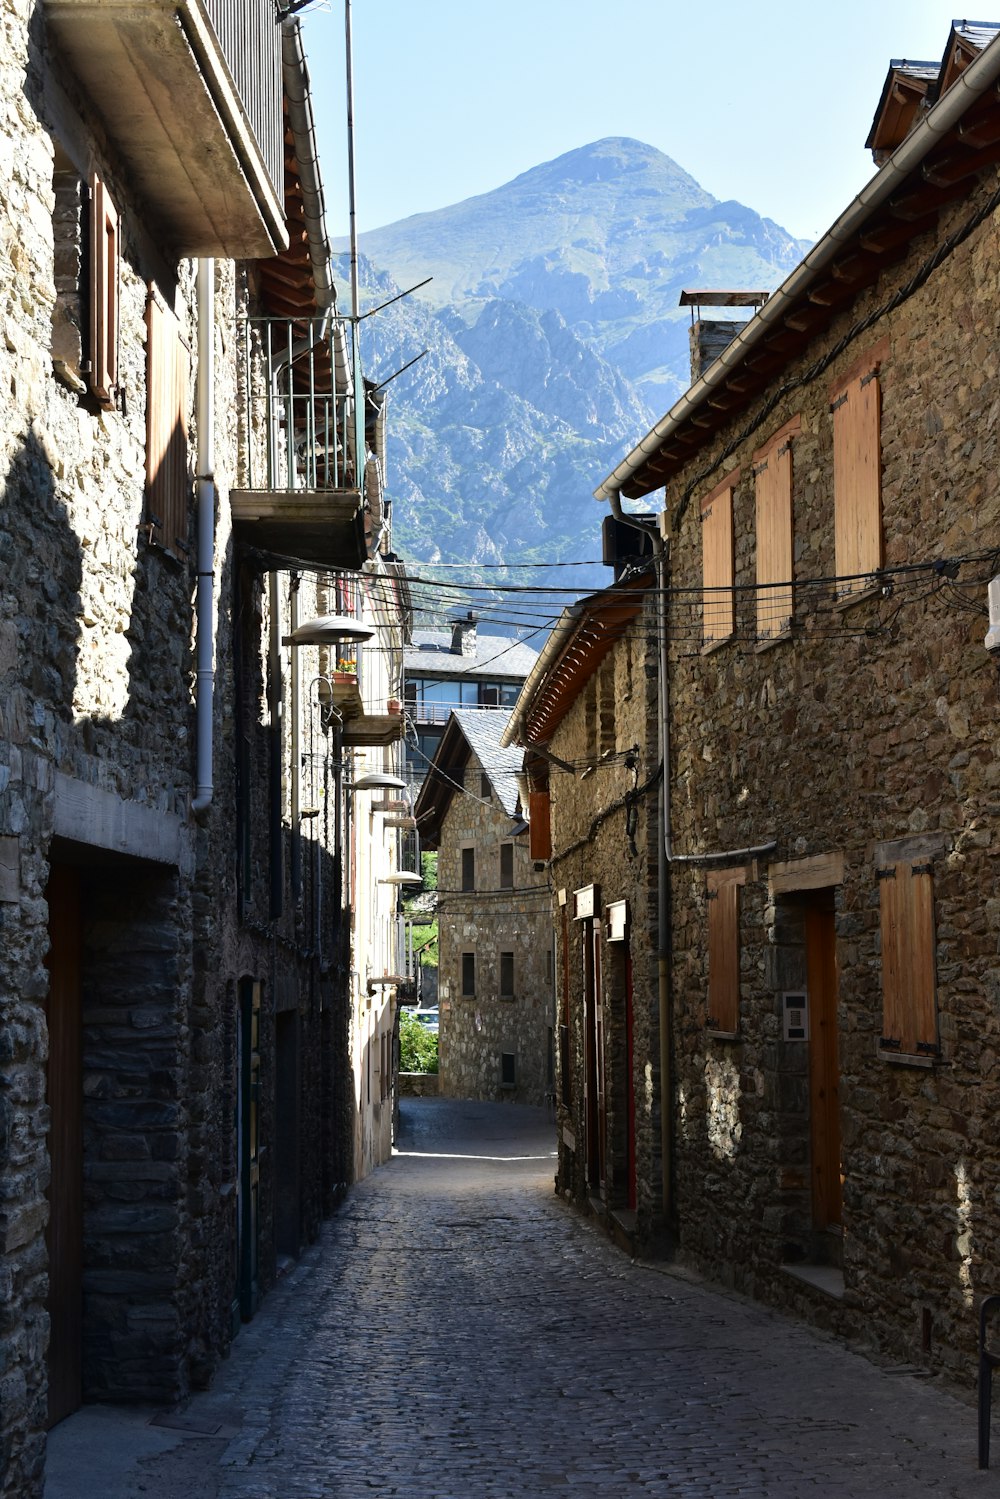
611, 159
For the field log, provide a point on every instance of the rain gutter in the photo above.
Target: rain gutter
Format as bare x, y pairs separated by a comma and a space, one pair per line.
978, 77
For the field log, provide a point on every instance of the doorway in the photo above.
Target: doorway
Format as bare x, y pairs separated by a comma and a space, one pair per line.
824, 1064
594, 1103
64, 1095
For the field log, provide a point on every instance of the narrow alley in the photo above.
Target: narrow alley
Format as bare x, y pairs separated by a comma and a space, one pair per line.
459, 1333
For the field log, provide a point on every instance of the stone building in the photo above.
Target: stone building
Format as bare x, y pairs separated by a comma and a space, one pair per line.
192, 884
831, 524
495, 968
587, 718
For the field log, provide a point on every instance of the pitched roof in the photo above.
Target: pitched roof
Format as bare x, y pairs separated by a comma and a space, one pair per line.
496, 657
936, 165
470, 731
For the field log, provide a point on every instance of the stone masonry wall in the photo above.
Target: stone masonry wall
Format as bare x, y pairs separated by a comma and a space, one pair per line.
615, 713
868, 734
476, 1031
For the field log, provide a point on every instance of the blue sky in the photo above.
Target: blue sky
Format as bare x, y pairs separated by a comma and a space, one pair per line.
769, 102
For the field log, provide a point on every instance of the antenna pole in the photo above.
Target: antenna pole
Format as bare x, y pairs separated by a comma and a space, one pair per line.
352, 204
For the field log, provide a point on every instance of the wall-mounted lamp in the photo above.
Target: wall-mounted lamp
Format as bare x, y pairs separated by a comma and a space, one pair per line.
402, 877
328, 629
378, 780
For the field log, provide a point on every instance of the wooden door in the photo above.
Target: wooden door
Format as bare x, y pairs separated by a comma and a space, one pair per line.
248, 1145
64, 1235
824, 1065
630, 1084
595, 1107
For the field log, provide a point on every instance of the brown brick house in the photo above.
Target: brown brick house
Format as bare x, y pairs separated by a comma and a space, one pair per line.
830, 520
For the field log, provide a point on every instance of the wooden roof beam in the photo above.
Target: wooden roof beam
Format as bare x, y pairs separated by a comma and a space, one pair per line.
958, 166
892, 235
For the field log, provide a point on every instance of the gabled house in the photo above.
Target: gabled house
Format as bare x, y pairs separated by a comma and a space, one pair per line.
456, 668
587, 721
830, 521
495, 966
191, 881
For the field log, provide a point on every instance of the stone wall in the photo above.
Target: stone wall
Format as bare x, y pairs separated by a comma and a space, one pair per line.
484, 1033
866, 735
614, 714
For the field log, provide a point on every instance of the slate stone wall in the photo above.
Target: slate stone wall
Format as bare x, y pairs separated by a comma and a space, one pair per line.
869, 733
614, 714
475, 1031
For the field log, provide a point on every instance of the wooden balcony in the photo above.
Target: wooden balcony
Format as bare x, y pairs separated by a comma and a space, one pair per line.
157, 73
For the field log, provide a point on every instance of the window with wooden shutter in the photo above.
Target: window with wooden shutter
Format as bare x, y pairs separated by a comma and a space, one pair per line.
468, 973
506, 866
909, 1009
167, 485
718, 611
539, 825
857, 473
772, 469
103, 292
468, 869
723, 896
506, 975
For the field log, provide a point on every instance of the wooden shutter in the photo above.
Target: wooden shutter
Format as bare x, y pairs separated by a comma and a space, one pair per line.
539, 825
773, 490
103, 292
723, 893
167, 363
857, 474
718, 614
909, 1010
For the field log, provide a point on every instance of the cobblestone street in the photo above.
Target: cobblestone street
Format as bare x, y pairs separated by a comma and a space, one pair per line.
460, 1334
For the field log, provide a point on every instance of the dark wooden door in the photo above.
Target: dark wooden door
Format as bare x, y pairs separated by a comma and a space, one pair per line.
65, 1099
824, 1063
595, 1105
630, 1083
248, 1145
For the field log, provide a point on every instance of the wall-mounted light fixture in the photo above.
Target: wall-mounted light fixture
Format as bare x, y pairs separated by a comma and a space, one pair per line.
328, 629
378, 780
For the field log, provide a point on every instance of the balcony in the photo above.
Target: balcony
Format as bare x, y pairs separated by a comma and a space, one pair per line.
303, 501
197, 120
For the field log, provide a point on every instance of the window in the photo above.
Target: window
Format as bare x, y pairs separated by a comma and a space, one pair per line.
773, 491
484, 787
909, 1011
723, 891
489, 697
506, 975
468, 869
508, 1069
857, 473
468, 973
103, 293
718, 612
166, 436
539, 826
506, 866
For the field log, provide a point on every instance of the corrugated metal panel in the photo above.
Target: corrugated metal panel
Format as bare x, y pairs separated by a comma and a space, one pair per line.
250, 37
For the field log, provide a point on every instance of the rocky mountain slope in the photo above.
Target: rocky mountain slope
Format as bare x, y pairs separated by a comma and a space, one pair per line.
555, 340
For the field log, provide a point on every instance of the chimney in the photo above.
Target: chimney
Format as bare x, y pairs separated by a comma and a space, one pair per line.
463, 635
709, 337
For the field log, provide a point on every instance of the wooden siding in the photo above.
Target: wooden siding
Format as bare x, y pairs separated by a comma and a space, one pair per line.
723, 894
103, 293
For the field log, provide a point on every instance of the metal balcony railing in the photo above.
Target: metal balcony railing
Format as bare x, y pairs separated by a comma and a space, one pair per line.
298, 406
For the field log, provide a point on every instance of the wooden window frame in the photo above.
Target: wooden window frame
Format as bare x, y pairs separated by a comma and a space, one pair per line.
718, 564
855, 401
104, 292
773, 490
539, 826
167, 483
909, 979
722, 892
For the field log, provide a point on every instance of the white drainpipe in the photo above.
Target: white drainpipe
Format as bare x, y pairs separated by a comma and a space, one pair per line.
205, 606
